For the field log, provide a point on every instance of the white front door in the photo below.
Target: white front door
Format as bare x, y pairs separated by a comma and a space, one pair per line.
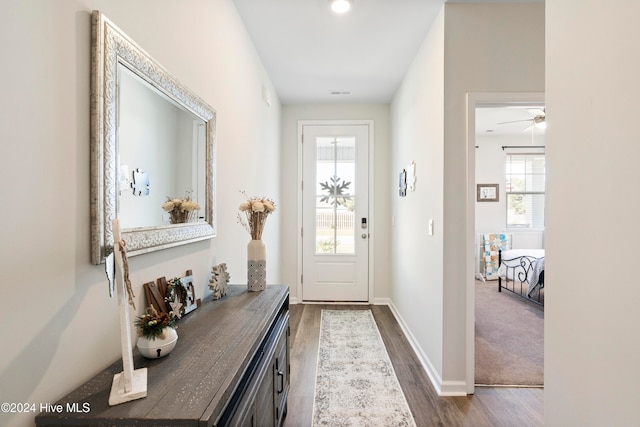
335, 213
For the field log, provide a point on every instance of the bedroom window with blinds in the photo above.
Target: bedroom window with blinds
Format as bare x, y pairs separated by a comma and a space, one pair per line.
525, 184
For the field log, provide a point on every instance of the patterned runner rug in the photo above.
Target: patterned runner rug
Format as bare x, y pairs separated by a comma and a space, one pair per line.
355, 381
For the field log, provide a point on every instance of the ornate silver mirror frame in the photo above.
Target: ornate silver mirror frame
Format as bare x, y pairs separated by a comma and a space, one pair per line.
110, 47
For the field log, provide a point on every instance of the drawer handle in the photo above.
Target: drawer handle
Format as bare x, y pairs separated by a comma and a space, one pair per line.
281, 388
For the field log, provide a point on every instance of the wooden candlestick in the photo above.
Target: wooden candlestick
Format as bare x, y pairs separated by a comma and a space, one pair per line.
129, 384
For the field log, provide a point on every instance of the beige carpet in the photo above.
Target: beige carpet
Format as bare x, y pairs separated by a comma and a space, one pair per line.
509, 346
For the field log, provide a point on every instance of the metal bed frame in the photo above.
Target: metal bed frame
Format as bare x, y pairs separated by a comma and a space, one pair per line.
519, 282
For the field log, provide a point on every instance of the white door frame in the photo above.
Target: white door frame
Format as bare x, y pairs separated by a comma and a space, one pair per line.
371, 217
475, 100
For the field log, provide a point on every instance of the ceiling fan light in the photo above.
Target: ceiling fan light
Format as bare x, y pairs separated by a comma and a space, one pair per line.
540, 122
340, 6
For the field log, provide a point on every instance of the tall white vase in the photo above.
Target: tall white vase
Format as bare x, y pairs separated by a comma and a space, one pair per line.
257, 265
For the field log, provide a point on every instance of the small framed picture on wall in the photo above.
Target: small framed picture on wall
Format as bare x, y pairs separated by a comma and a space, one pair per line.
488, 192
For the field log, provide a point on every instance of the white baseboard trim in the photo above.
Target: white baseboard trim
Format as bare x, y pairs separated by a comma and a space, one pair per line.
443, 388
453, 388
376, 301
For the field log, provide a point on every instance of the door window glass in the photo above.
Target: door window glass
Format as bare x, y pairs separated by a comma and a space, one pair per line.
335, 195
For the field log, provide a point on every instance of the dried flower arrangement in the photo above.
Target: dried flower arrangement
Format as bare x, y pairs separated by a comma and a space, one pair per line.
181, 210
255, 211
151, 324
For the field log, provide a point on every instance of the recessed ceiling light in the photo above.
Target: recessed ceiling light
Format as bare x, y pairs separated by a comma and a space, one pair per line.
340, 6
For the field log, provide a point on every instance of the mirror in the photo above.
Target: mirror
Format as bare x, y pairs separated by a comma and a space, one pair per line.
152, 148
160, 147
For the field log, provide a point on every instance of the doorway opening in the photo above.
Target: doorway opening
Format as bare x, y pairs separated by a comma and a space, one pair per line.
495, 124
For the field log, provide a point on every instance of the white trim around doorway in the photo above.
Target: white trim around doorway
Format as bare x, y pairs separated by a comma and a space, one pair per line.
474, 100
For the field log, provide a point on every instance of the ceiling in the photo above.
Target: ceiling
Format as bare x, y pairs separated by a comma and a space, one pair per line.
315, 56
491, 120
310, 52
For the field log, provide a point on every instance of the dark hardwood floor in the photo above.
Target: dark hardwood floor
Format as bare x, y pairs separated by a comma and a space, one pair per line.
507, 407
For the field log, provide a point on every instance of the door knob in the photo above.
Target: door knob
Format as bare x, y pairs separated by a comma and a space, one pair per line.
364, 235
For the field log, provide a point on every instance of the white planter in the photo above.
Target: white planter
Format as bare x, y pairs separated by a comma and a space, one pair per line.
256, 265
159, 347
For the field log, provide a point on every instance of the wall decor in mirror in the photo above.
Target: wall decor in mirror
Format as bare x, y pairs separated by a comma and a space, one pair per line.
152, 150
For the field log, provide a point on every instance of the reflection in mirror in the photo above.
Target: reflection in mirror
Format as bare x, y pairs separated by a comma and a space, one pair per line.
151, 139
160, 145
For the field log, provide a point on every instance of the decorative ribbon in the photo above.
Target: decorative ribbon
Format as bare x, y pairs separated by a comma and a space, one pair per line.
125, 266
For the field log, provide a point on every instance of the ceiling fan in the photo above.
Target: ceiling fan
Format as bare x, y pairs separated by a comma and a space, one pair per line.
538, 120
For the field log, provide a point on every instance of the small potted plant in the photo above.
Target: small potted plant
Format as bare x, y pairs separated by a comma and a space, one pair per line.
156, 333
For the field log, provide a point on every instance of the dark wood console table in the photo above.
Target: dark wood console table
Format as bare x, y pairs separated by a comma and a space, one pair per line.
229, 367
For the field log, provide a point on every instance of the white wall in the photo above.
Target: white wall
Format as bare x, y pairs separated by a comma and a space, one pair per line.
417, 117
592, 325
290, 235
491, 217
471, 48
60, 327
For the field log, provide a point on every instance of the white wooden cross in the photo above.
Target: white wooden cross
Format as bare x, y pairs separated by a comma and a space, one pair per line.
129, 384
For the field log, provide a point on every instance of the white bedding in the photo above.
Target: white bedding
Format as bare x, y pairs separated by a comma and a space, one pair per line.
514, 253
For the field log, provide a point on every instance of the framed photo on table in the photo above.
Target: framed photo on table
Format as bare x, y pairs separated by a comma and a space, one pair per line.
190, 301
488, 192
